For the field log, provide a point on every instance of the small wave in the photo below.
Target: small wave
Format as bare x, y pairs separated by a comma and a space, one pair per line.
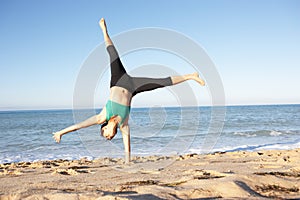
261, 133
244, 134
282, 146
34, 158
275, 133
273, 146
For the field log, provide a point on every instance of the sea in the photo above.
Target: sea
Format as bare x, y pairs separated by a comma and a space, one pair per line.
27, 135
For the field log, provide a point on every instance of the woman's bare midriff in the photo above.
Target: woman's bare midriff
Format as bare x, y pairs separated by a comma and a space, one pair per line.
120, 95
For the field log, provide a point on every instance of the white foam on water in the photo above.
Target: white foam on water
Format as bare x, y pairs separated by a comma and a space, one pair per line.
275, 133
280, 146
244, 134
276, 146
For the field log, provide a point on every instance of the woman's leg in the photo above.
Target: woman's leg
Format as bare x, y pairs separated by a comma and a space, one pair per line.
143, 84
194, 76
116, 67
148, 84
107, 39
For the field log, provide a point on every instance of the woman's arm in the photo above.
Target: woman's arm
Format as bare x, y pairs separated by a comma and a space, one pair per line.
124, 128
96, 119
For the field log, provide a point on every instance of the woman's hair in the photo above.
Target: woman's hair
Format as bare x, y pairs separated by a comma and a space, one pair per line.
104, 124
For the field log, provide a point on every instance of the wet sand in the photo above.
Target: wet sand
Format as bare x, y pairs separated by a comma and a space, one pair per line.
247, 175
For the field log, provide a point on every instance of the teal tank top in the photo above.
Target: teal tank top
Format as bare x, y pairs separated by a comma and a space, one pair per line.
113, 108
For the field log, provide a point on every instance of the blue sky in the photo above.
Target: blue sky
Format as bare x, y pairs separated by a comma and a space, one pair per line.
254, 45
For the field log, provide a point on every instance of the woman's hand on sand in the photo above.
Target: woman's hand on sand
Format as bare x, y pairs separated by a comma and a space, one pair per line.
57, 137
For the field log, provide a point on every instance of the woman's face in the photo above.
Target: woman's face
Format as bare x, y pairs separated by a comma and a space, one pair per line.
109, 131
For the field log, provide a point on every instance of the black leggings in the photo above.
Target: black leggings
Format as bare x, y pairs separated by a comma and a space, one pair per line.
135, 85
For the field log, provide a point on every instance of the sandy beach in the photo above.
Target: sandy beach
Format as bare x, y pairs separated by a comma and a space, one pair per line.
248, 175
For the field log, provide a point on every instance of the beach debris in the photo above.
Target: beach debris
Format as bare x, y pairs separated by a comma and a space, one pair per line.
280, 174
273, 189
10, 172
173, 184
74, 170
286, 158
208, 175
146, 182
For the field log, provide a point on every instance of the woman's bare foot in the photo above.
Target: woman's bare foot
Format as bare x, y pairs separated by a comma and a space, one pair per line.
107, 39
195, 77
102, 24
57, 137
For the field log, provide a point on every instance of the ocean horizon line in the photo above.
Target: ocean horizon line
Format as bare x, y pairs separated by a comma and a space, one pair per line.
142, 107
